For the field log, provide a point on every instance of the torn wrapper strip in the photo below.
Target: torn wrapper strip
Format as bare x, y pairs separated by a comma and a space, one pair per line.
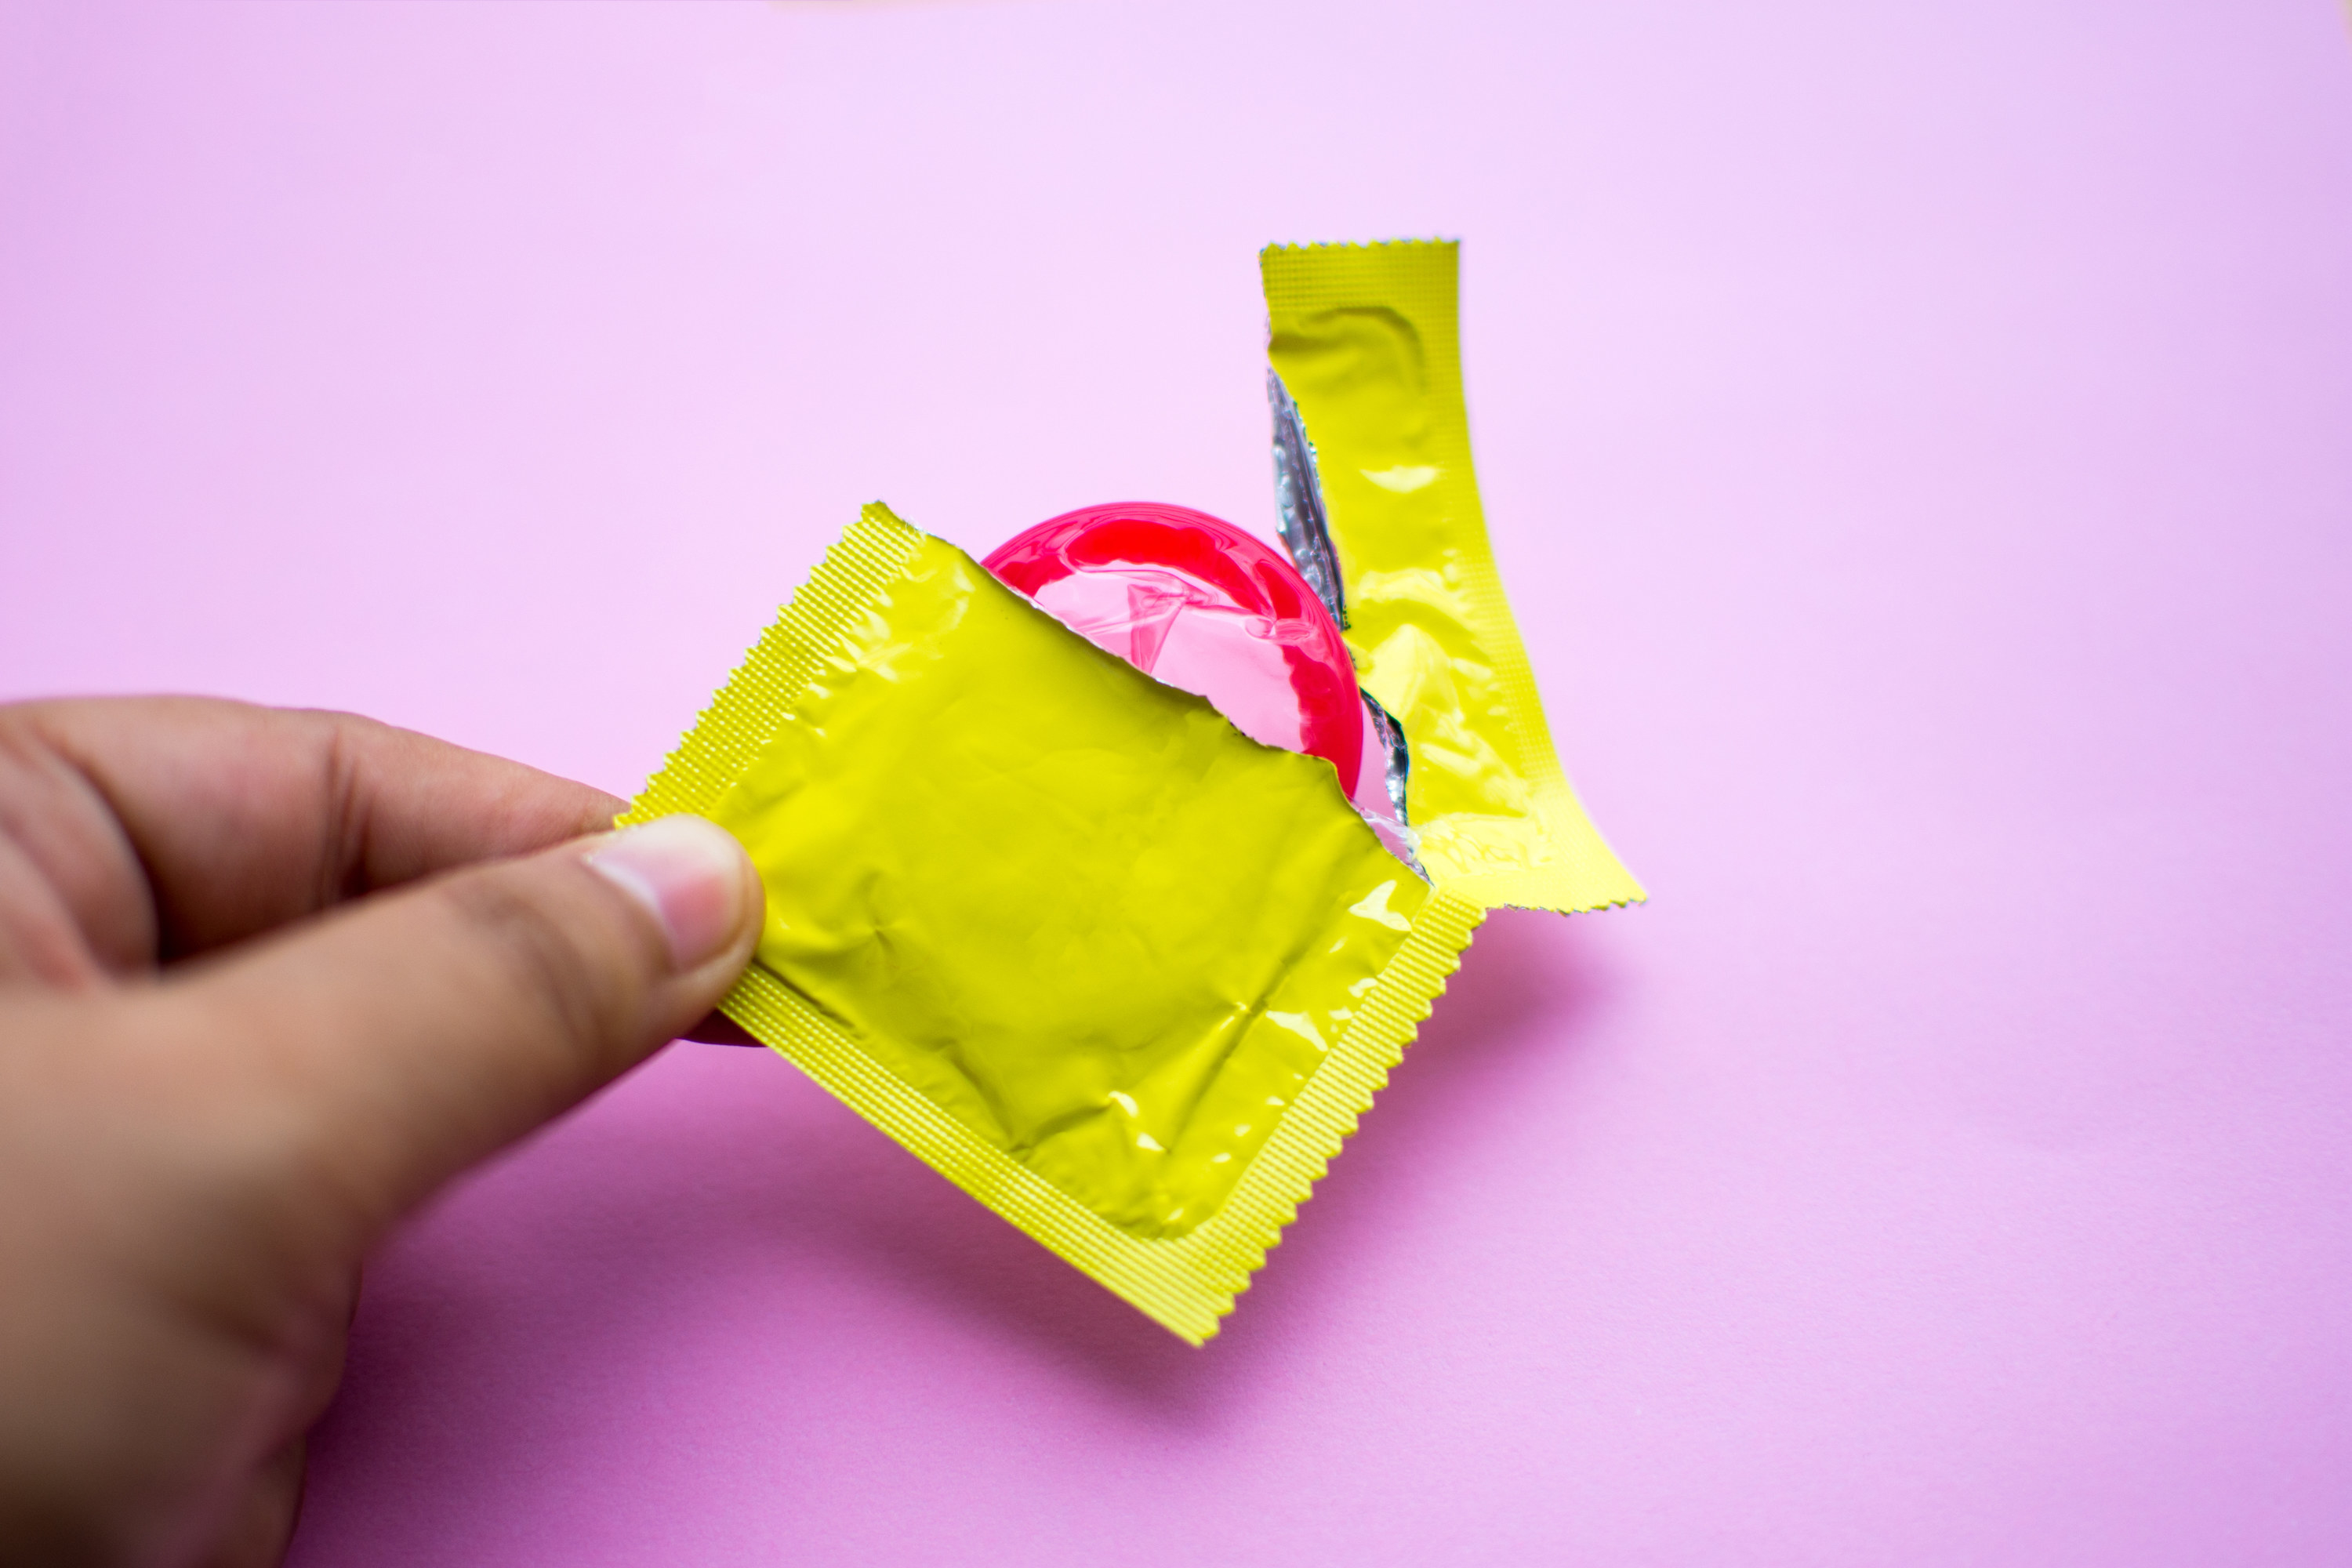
1372, 444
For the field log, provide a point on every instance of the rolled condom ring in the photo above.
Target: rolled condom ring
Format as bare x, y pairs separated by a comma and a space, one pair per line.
1199, 605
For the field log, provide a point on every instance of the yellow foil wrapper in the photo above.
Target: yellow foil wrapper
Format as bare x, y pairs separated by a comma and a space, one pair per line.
1365, 340
1124, 975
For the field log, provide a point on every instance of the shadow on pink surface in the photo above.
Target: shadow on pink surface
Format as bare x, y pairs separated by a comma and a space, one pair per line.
687, 1232
1523, 988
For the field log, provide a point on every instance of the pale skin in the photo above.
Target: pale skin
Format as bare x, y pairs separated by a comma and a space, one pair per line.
267, 979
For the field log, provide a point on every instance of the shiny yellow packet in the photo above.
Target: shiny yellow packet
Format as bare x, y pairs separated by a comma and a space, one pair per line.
1121, 973
1379, 508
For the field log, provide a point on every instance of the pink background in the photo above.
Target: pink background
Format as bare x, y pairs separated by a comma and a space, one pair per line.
1917, 441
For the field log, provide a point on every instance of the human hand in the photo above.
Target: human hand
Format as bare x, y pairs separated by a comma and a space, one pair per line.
266, 980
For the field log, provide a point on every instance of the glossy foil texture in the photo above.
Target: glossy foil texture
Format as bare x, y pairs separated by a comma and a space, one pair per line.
1306, 526
1071, 905
1203, 605
1366, 349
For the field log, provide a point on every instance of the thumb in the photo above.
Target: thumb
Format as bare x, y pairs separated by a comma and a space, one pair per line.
385, 1048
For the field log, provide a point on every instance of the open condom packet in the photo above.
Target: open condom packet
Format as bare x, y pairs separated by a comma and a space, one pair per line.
1122, 972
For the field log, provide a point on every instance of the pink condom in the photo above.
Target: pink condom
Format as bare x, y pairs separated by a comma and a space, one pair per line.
1196, 603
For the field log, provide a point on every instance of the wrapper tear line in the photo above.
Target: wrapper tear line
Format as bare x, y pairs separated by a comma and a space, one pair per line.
1186, 1282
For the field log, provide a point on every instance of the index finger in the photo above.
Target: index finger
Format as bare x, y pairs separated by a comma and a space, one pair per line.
228, 820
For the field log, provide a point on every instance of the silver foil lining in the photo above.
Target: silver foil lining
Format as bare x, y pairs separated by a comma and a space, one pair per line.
1307, 534
1299, 502
1398, 760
